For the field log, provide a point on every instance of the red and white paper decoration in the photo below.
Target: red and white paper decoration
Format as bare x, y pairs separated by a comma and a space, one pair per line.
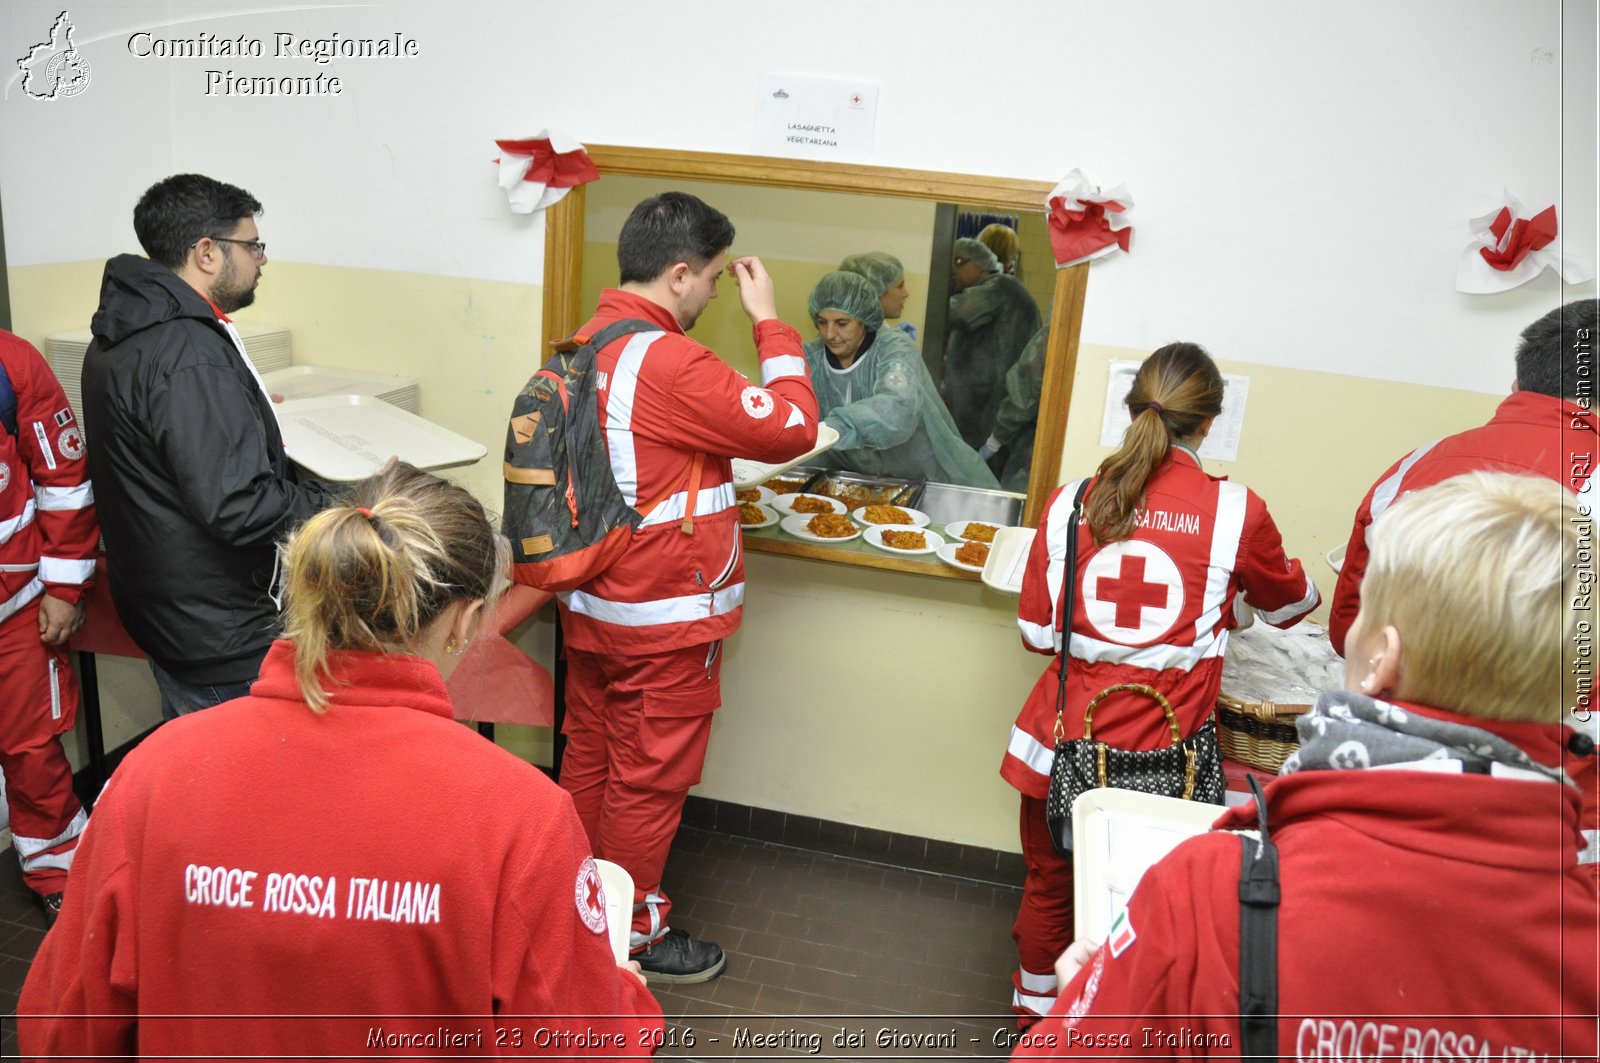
1510, 247
1086, 221
536, 171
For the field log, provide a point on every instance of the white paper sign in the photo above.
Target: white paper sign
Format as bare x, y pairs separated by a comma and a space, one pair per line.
816, 118
1223, 442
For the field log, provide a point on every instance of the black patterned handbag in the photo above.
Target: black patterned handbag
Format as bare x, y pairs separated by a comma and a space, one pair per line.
1190, 768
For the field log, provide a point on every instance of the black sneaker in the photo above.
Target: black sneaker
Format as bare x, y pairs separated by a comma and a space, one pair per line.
679, 959
51, 903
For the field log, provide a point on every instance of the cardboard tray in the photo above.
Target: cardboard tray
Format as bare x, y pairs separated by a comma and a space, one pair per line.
348, 437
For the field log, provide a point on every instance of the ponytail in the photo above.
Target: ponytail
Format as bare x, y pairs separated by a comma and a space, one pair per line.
374, 573
1177, 389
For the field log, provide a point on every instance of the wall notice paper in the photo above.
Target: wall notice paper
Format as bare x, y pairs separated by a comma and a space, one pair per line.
815, 118
1223, 442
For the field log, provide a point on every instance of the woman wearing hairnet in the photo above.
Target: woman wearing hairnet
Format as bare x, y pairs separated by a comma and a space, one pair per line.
991, 319
885, 273
873, 387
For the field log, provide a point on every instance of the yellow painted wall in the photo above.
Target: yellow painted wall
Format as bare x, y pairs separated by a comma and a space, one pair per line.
867, 697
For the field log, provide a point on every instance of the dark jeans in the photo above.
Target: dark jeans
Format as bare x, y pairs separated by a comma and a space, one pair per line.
179, 698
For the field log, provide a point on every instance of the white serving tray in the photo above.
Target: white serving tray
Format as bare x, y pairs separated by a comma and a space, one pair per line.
349, 437
1008, 556
313, 381
1117, 835
747, 473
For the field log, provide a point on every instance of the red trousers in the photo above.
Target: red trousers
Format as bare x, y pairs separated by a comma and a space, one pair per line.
38, 704
1044, 926
637, 729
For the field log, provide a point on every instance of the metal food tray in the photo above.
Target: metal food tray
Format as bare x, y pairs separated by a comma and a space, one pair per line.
348, 437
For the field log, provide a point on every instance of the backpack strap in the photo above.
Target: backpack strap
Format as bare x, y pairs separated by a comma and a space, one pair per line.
600, 341
1259, 895
606, 336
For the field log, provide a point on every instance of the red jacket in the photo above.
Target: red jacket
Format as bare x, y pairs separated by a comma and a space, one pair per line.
1424, 916
664, 398
1154, 609
318, 880
1529, 433
48, 534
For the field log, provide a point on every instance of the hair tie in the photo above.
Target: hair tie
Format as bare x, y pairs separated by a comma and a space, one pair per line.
1156, 406
365, 512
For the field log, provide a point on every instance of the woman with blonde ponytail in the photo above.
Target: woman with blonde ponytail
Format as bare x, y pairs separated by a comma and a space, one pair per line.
1162, 551
302, 869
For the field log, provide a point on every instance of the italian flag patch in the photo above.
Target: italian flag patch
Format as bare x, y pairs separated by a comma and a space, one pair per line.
1121, 937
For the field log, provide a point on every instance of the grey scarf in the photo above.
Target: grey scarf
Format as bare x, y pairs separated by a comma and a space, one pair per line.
1346, 731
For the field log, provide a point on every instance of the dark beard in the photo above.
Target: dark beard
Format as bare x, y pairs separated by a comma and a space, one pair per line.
227, 295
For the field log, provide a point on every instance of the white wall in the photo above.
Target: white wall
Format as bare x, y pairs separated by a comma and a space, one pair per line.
1302, 172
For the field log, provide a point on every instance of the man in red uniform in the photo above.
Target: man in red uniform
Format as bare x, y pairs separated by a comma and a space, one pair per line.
47, 545
1546, 427
643, 638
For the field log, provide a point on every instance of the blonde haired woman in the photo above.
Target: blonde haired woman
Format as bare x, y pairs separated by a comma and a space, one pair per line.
301, 870
1164, 551
1432, 904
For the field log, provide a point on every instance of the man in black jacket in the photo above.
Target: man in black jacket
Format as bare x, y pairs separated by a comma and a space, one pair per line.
193, 487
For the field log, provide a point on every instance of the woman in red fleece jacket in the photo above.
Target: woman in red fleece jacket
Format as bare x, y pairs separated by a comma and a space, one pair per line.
1432, 905
333, 866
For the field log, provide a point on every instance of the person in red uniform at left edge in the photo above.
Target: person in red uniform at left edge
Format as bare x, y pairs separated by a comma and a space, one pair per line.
643, 638
48, 537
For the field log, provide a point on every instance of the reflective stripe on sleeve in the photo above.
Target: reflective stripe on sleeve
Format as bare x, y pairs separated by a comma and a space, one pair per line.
1032, 752
1305, 604
65, 570
79, 496
784, 365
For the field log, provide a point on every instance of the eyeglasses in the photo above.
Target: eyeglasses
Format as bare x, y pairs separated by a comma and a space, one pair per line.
257, 248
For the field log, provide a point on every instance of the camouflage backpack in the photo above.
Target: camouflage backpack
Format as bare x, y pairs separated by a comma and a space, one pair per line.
565, 515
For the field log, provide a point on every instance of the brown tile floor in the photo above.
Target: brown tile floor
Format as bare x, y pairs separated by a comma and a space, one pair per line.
819, 946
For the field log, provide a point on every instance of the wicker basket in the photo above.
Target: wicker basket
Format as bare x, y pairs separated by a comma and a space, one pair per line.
1260, 735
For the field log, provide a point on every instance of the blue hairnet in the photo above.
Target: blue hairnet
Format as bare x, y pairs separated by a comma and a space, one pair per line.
848, 293
879, 267
973, 251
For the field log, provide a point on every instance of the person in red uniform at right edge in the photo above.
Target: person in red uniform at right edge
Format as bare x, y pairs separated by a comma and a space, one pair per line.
1431, 906
643, 639
1546, 427
1165, 550
48, 538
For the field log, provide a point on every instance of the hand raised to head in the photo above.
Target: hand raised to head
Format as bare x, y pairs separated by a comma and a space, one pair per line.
756, 294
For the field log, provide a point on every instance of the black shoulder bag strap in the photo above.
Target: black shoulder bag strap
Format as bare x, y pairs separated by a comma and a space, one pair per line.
1069, 602
1258, 938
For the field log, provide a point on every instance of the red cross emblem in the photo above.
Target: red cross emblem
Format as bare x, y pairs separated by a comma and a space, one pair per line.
1133, 592
856, 99
590, 896
757, 403
1129, 591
